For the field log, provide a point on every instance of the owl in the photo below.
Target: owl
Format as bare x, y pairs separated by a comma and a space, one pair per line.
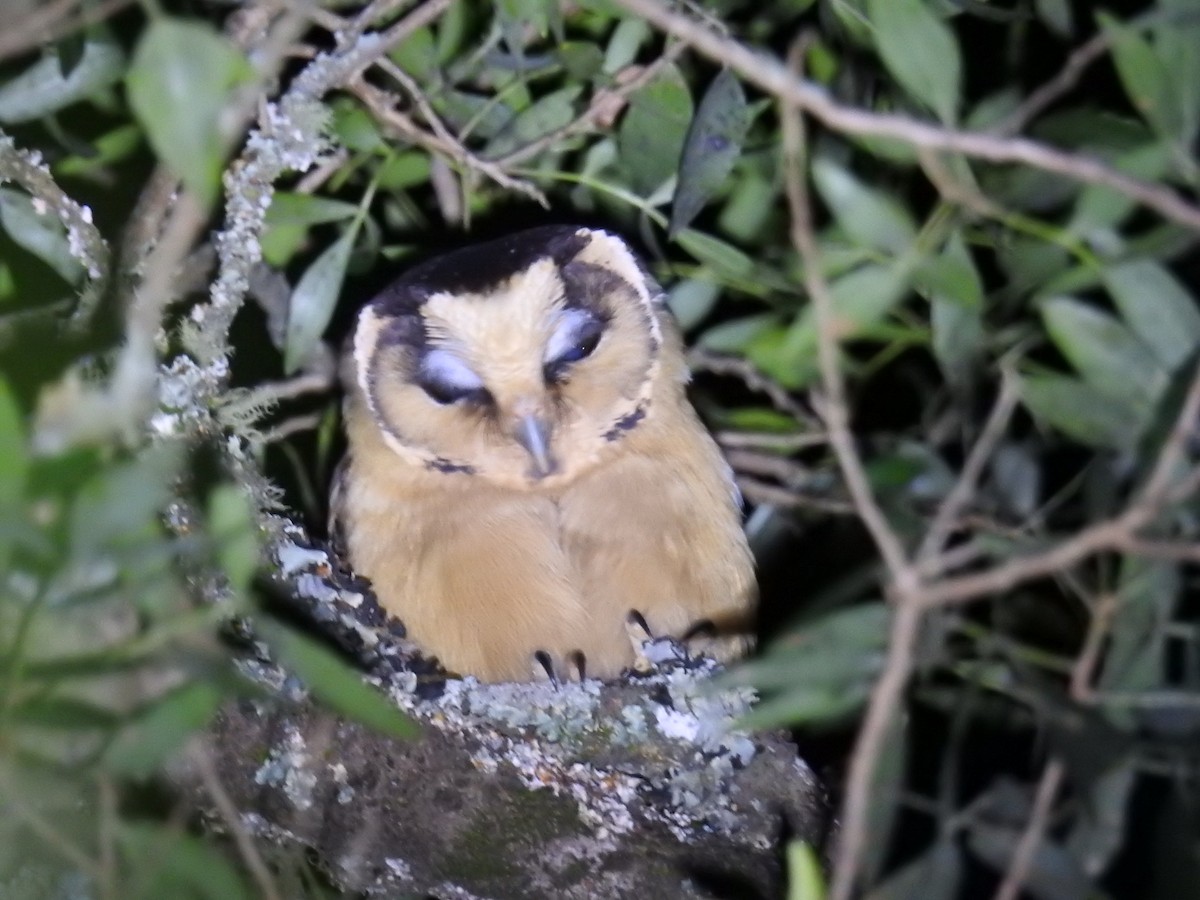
524, 471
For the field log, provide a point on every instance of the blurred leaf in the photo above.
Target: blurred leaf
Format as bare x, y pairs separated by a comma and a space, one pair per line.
1177, 42
1106, 353
43, 88
1102, 207
231, 523
1056, 15
179, 84
110, 148
713, 145
1157, 307
404, 170
417, 55
307, 209
64, 712
920, 51
1016, 478
869, 217
806, 879
1081, 412
819, 672
150, 739
41, 233
691, 300
1100, 829
123, 503
544, 117
354, 127
651, 135
749, 207
333, 681
14, 469
1145, 76
861, 299
1052, 875
581, 60
734, 335
169, 863
952, 275
934, 875
627, 39
314, 300
722, 256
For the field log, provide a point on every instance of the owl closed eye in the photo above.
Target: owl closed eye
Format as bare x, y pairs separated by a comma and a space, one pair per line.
524, 467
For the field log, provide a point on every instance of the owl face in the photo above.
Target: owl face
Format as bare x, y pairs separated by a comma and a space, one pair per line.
520, 361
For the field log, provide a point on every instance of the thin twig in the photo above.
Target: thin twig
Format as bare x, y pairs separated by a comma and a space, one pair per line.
1043, 804
50, 23
756, 440
760, 492
780, 397
772, 76
1066, 79
382, 105
201, 758
964, 488
905, 584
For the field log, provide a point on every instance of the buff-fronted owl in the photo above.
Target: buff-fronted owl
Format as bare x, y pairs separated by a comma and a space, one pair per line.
524, 468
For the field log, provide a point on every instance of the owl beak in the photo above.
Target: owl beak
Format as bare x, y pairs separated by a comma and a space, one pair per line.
534, 435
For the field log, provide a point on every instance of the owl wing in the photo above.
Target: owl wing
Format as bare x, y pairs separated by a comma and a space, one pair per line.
336, 522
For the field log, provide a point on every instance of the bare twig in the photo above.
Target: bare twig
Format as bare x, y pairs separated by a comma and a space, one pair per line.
383, 106
737, 440
904, 581
780, 397
950, 508
201, 760
51, 22
601, 106
1043, 804
760, 492
1066, 79
772, 76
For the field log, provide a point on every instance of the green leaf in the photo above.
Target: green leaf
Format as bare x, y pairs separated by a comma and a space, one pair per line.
314, 300
171, 863
691, 300
627, 39
920, 51
147, 742
712, 146
934, 875
861, 299
179, 85
956, 310
354, 127
1148, 82
952, 275
1177, 40
652, 133
819, 672
1056, 15
116, 145
869, 217
41, 233
1157, 307
806, 880
288, 208
14, 466
231, 523
1081, 412
333, 682
581, 60
734, 335
43, 88
722, 256
1107, 354
547, 115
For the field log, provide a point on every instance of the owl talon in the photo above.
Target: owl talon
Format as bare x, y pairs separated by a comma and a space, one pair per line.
639, 634
576, 666
543, 668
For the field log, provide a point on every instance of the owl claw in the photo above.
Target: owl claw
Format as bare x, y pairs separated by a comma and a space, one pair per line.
543, 667
639, 634
576, 666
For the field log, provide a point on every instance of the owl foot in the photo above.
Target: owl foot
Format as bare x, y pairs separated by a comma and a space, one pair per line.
573, 667
650, 652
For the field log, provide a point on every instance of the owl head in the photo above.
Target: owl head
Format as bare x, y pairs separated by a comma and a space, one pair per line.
522, 361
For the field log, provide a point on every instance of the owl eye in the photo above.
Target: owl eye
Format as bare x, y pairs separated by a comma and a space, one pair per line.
447, 379
576, 338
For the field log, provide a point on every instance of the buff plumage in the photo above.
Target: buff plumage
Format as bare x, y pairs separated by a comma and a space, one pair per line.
524, 468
